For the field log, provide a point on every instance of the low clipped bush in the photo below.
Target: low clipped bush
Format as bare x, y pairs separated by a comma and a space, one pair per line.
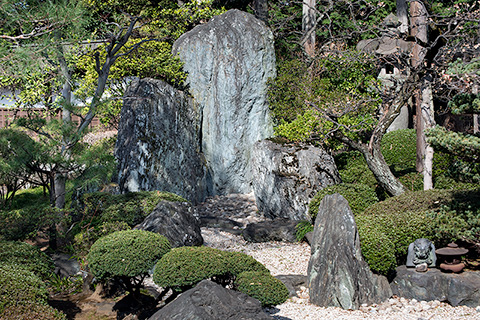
22, 223
33, 311
399, 148
126, 254
263, 287
19, 286
186, 266
359, 197
27, 256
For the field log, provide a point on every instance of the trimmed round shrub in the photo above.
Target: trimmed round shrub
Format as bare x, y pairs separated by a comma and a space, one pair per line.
238, 262
263, 287
412, 181
128, 253
32, 311
359, 197
27, 256
186, 266
377, 248
19, 286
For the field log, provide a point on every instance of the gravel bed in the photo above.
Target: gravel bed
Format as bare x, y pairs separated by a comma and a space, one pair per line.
287, 258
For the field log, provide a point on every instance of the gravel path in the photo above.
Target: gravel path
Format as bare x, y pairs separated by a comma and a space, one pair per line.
287, 258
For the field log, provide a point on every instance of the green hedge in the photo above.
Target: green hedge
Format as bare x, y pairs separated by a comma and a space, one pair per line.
131, 208
399, 149
359, 197
127, 253
183, 267
353, 169
27, 256
32, 311
19, 286
263, 287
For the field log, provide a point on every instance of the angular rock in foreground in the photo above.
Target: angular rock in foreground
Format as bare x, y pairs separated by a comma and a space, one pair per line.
211, 301
337, 274
175, 221
229, 61
158, 144
287, 177
456, 289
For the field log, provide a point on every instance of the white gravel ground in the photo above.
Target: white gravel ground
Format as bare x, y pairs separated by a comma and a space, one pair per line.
285, 258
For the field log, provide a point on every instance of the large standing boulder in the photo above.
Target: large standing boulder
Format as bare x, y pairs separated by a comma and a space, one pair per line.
287, 177
211, 301
175, 221
337, 274
158, 144
456, 289
228, 61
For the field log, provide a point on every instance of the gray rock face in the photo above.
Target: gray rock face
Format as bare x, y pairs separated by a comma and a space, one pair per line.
287, 177
158, 144
274, 230
175, 221
211, 301
229, 61
337, 274
456, 289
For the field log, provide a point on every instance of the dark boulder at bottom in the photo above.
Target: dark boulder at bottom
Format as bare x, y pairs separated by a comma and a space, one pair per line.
210, 301
337, 274
175, 221
456, 289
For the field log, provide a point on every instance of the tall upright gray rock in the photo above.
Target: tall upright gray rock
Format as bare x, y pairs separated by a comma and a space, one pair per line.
337, 274
228, 61
158, 144
287, 177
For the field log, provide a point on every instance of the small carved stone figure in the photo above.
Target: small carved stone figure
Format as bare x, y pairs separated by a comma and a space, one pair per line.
421, 251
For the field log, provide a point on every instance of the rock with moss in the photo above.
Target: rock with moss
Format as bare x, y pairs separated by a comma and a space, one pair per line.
159, 142
126, 254
263, 287
27, 256
288, 176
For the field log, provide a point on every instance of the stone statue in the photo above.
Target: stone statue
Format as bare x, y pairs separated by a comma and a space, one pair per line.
421, 252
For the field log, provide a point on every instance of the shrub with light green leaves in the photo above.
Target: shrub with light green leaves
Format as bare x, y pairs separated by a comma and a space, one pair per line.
359, 197
32, 311
27, 256
262, 286
126, 254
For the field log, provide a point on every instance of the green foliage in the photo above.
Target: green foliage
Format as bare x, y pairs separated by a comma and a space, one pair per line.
127, 253
465, 103
353, 169
27, 256
388, 227
399, 149
21, 224
58, 284
84, 240
359, 197
263, 287
462, 145
377, 248
131, 208
302, 228
19, 286
184, 267
32, 311
340, 87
